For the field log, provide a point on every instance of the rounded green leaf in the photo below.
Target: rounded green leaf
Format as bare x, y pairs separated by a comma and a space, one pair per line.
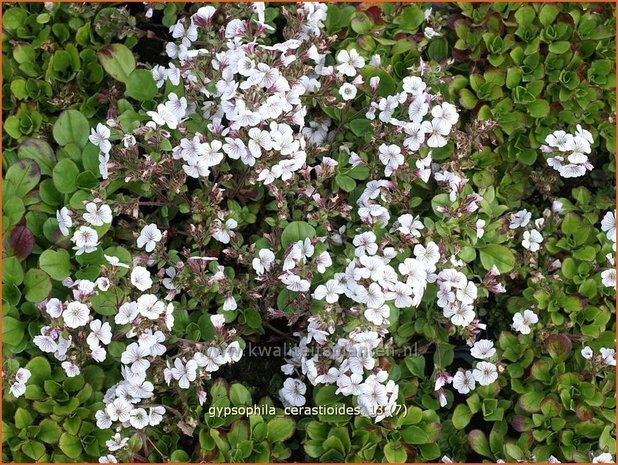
141, 85
71, 127
56, 263
39, 151
70, 445
296, 231
498, 256
65, 176
38, 285
117, 60
21, 178
280, 429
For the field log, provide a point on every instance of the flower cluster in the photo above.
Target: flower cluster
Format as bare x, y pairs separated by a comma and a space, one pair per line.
18, 385
571, 161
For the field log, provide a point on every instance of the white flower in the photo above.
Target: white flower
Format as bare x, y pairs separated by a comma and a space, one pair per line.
118, 410
70, 369
377, 315
293, 392
126, 313
63, 216
414, 85
115, 261
98, 216
365, 244
223, 232
430, 33
460, 314
605, 457
485, 373
211, 360
520, 219
75, 315
463, 382
329, 291
101, 332
155, 415
139, 418
532, 240
149, 306
135, 355
140, 278
54, 307
522, 321
148, 237
323, 261
560, 140
100, 138
446, 115
587, 353
435, 132
108, 458
483, 349
391, 157
263, 262
103, 419
17, 389
46, 344
295, 283
480, 228
22, 375
608, 356
349, 61
608, 225
347, 91
230, 303
85, 240
184, 373
608, 278
164, 116
409, 225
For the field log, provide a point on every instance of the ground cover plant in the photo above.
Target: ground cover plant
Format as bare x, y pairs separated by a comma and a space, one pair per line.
308, 232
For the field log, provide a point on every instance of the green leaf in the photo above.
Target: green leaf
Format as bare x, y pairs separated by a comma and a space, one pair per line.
548, 14
498, 255
71, 127
12, 272
65, 176
559, 47
56, 263
410, 19
280, 429
345, 182
461, 416
39, 151
239, 395
117, 60
70, 445
23, 418
416, 365
395, 452
415, 435
361, 127
297, 231
21, 178
49, 431
13, 331
538, 108
478, 442
37, 284
141, 85
35, 450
